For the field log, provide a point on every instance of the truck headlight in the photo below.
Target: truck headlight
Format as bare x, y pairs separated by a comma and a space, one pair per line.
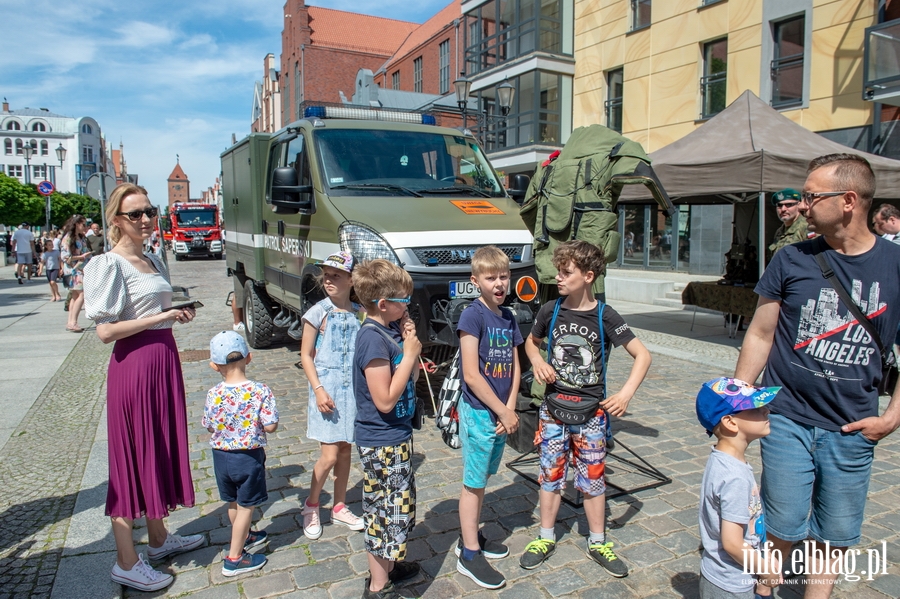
364, 243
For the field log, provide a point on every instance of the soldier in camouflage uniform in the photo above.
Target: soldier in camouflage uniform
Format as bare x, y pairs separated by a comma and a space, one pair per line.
793, 224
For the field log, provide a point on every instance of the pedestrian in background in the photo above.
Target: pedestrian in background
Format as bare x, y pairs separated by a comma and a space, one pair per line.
127, 295
50, 260
74, 253
96, 240
23, 249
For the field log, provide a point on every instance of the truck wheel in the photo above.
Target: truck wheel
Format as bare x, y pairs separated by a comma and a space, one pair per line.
218, 256
178, 257
257, 318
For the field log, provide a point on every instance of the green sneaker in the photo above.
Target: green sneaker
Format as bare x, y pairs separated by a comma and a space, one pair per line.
602, 553
536, 552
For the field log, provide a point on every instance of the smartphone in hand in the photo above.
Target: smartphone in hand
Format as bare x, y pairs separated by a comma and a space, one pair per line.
194, 305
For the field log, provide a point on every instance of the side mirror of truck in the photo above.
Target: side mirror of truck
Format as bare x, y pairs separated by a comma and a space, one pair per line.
287, 196
519, 187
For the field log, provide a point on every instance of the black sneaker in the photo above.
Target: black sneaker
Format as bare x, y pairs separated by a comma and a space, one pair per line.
20, 280
403, 571
490, 549
536, 552
479, 570
387, 592
602, 553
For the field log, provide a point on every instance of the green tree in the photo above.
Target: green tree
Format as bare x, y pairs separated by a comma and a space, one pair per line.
20, 202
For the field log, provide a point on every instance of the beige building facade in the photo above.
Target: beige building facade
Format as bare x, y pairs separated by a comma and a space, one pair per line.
661, 63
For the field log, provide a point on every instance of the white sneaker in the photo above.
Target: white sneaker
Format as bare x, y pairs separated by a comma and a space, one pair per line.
238, 328
347, 518
312, 527
175, 544
141, 576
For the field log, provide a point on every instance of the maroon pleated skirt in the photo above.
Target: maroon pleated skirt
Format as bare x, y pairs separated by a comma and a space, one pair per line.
149, 467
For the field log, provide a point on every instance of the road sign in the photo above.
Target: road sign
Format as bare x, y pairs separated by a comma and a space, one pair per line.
526, 289
93, 185
45, 188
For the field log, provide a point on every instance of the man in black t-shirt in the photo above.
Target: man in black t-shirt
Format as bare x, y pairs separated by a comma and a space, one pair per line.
824, 422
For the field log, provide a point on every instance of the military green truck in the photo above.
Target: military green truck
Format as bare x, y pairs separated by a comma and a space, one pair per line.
379, 184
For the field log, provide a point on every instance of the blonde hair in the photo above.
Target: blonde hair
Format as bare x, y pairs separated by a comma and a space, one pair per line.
114, 205
489, 260
376, 279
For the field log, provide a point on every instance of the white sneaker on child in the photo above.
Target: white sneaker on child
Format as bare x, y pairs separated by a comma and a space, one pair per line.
347, 518
141, 576
312, 527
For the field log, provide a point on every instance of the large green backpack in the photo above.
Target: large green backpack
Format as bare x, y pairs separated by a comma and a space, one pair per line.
574, 196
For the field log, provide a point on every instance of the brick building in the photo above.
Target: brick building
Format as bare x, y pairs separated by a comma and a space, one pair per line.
322, 49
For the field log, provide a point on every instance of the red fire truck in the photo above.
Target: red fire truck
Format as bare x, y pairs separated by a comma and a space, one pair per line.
195, 230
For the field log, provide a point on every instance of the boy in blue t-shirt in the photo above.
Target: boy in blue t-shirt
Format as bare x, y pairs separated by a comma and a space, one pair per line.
488, 337
384, 373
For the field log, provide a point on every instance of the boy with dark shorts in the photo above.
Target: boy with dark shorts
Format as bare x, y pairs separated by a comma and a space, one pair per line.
577, 369
488, 337
384, 374
239, 413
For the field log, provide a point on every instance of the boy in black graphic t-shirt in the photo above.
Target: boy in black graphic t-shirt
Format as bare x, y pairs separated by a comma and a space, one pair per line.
576, 369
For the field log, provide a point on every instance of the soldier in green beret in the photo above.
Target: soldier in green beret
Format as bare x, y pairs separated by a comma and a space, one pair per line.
793, 224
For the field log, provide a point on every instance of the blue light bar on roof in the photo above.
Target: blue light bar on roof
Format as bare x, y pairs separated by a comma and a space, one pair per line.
365, 114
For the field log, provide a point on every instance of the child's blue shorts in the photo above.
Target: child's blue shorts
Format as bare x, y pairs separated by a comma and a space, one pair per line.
482, 447
241, 476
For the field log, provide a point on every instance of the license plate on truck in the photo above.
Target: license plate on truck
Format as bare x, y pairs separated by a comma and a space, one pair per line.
463, 290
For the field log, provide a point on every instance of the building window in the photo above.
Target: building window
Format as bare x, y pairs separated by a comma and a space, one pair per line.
7, 146
502, 30
534, 117
13, 126
45, 149
18, 147
286, 107
395, 80
87, 154
15, 170
38, 127
787, 66
40, 171
444, 66
640, 14
417, 75
2, 168
615, 82
713, 82
87, 129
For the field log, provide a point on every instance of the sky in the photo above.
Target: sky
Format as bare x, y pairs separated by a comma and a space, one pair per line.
164, 78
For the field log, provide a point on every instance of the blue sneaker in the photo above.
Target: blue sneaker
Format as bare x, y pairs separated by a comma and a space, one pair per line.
255, 538
248, 562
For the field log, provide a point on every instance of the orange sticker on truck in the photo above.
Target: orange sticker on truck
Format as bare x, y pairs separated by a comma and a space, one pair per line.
476, 207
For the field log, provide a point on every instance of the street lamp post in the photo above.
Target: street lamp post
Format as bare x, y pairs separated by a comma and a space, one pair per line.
61, 156
27, 150
505, 95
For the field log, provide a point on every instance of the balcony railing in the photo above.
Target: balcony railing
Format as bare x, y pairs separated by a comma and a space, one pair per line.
712, 88
881, 63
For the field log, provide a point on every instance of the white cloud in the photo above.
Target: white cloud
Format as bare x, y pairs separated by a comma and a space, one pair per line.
137, 34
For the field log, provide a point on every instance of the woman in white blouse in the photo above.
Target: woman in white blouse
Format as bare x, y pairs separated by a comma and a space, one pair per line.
126, 293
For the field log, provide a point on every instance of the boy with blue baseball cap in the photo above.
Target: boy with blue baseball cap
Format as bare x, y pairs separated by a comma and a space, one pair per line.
239, 413
732, 528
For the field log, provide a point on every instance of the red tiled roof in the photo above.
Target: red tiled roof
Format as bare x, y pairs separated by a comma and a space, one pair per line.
177, 173
426, 30
353, 31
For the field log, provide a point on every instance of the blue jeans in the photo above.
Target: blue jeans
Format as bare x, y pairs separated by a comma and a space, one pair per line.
814, 482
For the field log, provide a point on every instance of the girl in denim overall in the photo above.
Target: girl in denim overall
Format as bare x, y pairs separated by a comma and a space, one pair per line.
328, 345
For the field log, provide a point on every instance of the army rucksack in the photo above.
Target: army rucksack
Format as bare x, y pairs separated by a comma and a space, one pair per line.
574, 195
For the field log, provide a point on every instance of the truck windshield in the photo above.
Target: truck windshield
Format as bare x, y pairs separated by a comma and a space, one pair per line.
356, 160
196, 218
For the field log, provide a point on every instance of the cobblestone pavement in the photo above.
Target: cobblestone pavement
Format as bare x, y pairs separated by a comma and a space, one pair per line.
655, 531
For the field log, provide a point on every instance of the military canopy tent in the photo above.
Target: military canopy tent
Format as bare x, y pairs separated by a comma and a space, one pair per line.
744, 152
747, 148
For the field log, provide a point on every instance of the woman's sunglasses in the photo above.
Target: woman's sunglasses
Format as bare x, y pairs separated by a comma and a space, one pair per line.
135, 215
